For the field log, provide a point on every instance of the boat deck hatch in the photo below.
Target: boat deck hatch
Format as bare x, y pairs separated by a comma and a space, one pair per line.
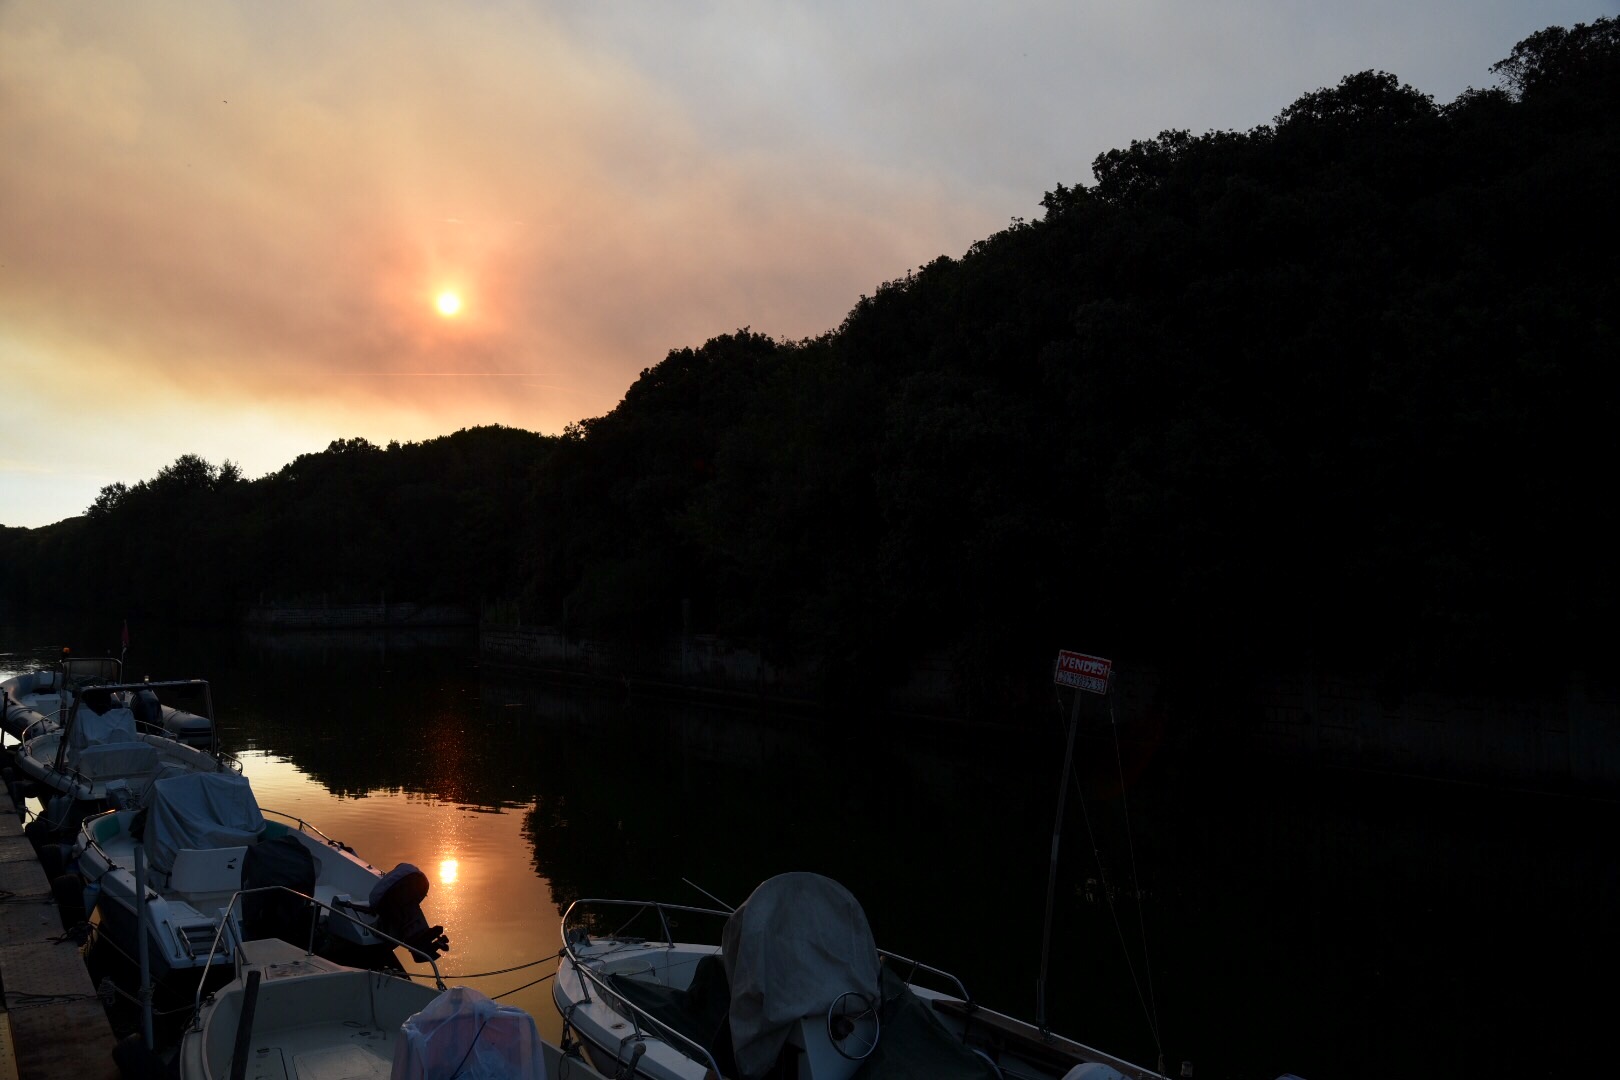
266, 1063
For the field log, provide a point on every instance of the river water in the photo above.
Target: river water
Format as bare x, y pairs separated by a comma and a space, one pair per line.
1260, 918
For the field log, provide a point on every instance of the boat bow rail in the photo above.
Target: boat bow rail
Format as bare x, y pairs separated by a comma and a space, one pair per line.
577, 937
642, 1023
594, 937
94, 833
907, 968
78, 694
227, 935
306, 827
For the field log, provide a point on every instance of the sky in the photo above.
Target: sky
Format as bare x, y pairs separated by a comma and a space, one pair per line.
225, 227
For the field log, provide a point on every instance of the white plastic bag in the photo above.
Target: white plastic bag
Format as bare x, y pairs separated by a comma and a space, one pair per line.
463, 1035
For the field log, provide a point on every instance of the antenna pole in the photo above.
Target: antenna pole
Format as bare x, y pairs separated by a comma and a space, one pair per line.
1051, 879
709, 894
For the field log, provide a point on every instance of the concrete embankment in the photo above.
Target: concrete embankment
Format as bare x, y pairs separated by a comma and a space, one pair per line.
1563, 737
339, 616
53, 1026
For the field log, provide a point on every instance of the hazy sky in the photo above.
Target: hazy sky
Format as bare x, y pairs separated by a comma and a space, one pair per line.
224, 225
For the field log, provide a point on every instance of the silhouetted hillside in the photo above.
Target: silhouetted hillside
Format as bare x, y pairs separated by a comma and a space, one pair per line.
1335, 387
439, 520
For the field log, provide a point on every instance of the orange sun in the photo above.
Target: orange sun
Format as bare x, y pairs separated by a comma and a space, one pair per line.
448, 304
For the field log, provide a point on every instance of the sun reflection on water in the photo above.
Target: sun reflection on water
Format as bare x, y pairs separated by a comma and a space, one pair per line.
485, 892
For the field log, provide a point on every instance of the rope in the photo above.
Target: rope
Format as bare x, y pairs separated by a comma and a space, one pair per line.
1141, 918
17, 1000
483, 974
78, 934
457, 1070
108, 989
9, 897
1108, 894
525, 986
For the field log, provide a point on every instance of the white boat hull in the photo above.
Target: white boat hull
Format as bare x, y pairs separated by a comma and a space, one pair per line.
668, 1010
317, 1020
137, 764
184, 909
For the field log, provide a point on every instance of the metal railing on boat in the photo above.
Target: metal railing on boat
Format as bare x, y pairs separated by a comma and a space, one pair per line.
633, 1012
228, 928
636, 1014
94, 841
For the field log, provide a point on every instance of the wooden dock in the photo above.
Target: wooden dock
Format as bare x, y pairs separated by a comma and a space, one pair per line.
52, 1025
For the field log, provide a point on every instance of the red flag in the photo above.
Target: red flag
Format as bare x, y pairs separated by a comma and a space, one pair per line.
126, 634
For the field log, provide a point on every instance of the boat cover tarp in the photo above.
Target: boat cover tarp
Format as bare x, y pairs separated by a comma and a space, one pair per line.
798, 942
286, 862
464, 1034
91, 728
699, 1012
199, 810
914, 1045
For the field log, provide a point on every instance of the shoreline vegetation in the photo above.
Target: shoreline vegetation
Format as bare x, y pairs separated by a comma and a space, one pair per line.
1329, 388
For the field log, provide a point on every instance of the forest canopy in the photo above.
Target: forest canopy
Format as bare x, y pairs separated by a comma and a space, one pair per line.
1332, 388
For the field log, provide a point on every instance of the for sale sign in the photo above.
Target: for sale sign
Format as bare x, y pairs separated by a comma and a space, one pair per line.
1089, 673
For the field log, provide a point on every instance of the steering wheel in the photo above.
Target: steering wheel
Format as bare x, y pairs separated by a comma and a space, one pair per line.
852, 1025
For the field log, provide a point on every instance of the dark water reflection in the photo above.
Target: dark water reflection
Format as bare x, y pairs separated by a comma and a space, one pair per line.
1328, 923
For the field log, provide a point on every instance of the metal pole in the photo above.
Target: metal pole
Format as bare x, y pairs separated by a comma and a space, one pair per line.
1051, 878
69, 712
140, 946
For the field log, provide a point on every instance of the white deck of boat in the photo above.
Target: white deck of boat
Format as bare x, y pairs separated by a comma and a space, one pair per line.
327, 1051
317, 1020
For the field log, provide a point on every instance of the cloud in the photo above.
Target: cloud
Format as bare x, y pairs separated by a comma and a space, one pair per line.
247, 208
217, 207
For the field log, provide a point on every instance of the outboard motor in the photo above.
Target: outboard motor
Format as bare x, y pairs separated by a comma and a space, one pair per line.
397, 901
148, 713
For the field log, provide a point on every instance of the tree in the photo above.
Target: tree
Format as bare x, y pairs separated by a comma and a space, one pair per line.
1563, 56
1366, 98
108, 501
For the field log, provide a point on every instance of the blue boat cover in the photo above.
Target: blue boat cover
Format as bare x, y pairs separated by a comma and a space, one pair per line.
199, 810
91, 728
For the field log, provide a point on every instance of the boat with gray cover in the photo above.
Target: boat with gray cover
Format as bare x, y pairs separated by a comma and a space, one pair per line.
796, 989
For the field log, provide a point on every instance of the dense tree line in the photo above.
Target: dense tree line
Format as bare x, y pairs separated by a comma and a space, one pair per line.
1335, 388
442, 520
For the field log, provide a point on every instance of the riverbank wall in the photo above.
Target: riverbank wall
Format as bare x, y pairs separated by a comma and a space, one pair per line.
1564, 738
381, 615
698, 665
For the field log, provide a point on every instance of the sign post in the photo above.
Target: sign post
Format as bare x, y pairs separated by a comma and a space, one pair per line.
1091, 674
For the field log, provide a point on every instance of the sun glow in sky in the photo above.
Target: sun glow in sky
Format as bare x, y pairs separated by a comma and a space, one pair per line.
448, 304
220, 216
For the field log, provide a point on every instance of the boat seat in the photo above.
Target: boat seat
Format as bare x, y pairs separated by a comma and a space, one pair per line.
207, 870
116, 759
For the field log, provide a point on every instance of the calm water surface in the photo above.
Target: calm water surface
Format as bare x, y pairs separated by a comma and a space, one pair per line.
1265, 919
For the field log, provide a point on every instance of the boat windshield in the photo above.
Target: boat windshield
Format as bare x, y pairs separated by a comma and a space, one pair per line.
85, 671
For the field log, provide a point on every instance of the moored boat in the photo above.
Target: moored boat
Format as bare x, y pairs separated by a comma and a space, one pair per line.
38, 697
35, 701
105, 749
199, 839
290, 1013
795, 988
